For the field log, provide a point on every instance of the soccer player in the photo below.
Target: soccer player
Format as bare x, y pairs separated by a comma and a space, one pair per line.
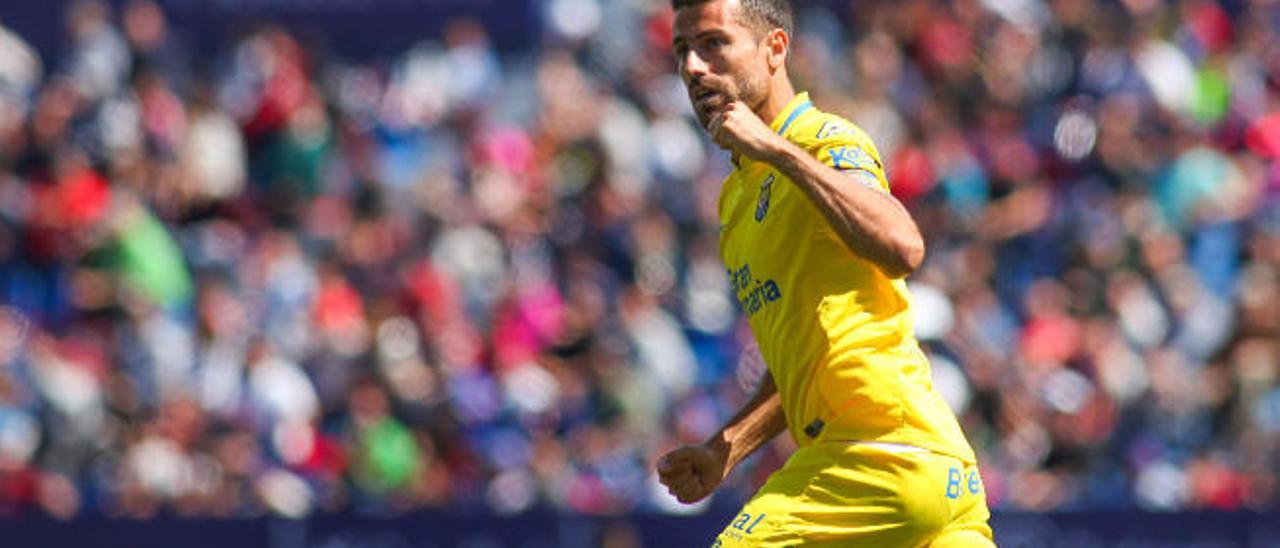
816, 250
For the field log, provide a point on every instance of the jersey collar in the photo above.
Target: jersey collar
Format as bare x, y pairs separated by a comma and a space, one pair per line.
797, 106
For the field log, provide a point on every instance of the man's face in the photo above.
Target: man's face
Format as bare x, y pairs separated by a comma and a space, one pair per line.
720, 57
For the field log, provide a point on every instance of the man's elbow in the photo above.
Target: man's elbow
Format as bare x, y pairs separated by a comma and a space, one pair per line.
914, 254
907, 256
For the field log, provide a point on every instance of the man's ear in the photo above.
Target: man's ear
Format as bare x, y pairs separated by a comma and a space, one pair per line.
778, 44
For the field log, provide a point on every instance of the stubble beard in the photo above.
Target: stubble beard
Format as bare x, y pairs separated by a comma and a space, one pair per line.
733, 89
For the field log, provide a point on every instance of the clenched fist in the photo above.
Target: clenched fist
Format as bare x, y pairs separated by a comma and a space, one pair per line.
692, 472
737, 129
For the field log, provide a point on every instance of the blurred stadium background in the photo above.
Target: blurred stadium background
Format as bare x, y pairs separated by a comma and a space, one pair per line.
443, 272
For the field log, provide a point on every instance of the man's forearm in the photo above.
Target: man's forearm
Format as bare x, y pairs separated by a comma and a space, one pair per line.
759, 421
871, 223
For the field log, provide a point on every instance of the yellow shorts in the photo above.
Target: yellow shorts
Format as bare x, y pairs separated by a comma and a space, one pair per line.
842, 494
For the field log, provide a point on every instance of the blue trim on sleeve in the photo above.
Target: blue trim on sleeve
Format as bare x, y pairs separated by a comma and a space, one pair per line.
794, 114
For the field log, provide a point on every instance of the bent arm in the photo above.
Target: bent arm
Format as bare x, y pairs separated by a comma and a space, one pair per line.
759, 421
692, 472
871, 223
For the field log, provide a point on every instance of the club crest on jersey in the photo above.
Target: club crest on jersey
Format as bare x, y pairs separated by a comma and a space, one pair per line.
762, 206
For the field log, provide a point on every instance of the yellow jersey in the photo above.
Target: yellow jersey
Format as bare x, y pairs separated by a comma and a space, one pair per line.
835, 332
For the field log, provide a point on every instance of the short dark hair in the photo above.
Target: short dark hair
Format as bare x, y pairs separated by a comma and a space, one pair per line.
762, 14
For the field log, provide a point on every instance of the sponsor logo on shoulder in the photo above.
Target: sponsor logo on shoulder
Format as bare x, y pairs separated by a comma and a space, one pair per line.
831, 129
851, 157
858, 163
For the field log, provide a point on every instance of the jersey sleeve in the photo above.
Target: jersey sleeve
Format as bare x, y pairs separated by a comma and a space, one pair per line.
843, 146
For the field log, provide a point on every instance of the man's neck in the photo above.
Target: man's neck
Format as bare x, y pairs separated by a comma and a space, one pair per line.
781, 92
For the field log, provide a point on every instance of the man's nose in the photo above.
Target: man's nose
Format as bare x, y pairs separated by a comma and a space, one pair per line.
694, 67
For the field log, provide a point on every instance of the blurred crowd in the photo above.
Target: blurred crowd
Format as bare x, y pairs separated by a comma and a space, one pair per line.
268, 279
